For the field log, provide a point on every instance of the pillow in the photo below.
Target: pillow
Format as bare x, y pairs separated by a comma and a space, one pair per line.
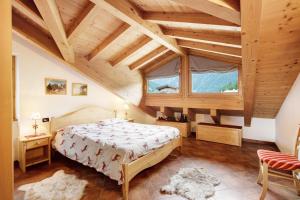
108, 122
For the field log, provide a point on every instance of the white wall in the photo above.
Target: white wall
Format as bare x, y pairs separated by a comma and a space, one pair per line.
261, 128
33, 66
288, 119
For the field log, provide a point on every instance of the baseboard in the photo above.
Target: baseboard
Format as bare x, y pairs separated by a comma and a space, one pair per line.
260, 142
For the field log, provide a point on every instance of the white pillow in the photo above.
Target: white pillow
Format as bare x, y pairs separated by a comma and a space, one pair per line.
107, 122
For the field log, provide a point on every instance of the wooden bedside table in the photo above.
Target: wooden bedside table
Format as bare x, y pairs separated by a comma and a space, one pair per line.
34, 150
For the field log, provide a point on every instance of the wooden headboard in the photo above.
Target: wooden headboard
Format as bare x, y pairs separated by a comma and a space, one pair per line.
88, 114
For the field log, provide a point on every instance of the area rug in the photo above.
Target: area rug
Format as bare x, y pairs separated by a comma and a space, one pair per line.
192, 183
60, 186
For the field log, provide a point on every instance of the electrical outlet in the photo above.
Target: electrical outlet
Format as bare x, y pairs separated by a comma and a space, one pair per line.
45, 119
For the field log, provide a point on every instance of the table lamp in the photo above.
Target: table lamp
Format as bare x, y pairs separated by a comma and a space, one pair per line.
35, 116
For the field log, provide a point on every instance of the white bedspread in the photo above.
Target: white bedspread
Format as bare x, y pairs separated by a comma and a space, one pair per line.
106, 145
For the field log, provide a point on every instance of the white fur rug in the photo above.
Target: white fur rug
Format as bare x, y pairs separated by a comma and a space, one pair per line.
60, 186
192, 183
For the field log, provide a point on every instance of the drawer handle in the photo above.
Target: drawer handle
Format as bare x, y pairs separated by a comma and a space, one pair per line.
37, 143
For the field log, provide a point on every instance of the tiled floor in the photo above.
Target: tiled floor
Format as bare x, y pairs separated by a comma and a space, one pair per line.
236, 167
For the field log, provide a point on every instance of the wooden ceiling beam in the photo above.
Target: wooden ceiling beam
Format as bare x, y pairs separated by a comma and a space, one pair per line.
107, 41
155, 64
210, 47
129, 13
197, 18
251, 17
225, 37
51, 16
148, 58
82, 21
141, 42
217, 8
28, 12
216, 56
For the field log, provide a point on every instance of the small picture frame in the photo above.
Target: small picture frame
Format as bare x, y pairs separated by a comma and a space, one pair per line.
79, 89
55, 86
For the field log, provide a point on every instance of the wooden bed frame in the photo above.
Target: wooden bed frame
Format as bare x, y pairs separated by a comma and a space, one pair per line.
92, 114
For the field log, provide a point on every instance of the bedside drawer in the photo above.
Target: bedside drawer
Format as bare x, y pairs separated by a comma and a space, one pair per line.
36, 143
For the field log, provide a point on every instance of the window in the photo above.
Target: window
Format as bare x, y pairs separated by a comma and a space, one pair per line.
164, 80
210, 76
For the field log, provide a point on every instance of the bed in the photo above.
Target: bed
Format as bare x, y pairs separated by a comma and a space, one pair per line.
116, 148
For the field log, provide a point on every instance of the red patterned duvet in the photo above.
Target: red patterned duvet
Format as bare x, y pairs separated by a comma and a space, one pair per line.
106, 145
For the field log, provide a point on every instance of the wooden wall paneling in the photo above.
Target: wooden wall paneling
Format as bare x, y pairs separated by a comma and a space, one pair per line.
229, 38
28, 12
51, 16
6, 107
218, 9
210, 47
82, 21
129, 13
107, 41
125, 53
216, 56
148, 58
251, 19
164, 59
197, 18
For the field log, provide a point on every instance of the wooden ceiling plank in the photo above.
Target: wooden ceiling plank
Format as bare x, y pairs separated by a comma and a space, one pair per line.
148, 58
215, 8
198, 18
28, 12
51, 16
130, 50
216, 36
129, 13
251, 17
216, 56
107, 41
155, 64
82, 21
209, 47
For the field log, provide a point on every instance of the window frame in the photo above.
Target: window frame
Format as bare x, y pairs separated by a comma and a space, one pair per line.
214, 94
179, 94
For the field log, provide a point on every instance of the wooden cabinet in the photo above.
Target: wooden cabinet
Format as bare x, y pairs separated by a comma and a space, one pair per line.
184, 127
225, 134
34, 150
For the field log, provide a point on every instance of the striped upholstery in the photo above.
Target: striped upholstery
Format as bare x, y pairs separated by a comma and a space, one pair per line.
277, 160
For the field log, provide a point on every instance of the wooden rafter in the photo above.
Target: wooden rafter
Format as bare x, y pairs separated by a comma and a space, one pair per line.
198, 18
148, 58
107, 41
210, 47
215, 8
82, 21
28, 12
128, 13
141, 42
225, 37
216, 56
51, 16
164, 59
251, 16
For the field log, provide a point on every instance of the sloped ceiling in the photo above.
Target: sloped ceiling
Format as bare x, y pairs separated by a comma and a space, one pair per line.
111, 50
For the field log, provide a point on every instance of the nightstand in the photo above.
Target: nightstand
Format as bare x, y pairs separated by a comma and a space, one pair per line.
34, 150
130, 120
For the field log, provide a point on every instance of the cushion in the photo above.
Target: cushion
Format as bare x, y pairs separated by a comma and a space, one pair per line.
277, 160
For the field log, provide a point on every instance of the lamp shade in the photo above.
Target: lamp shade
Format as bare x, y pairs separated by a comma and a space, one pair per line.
126, 107
35, 116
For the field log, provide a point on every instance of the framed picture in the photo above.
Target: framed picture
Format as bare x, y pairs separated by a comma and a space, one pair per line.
79, 89
55, 86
